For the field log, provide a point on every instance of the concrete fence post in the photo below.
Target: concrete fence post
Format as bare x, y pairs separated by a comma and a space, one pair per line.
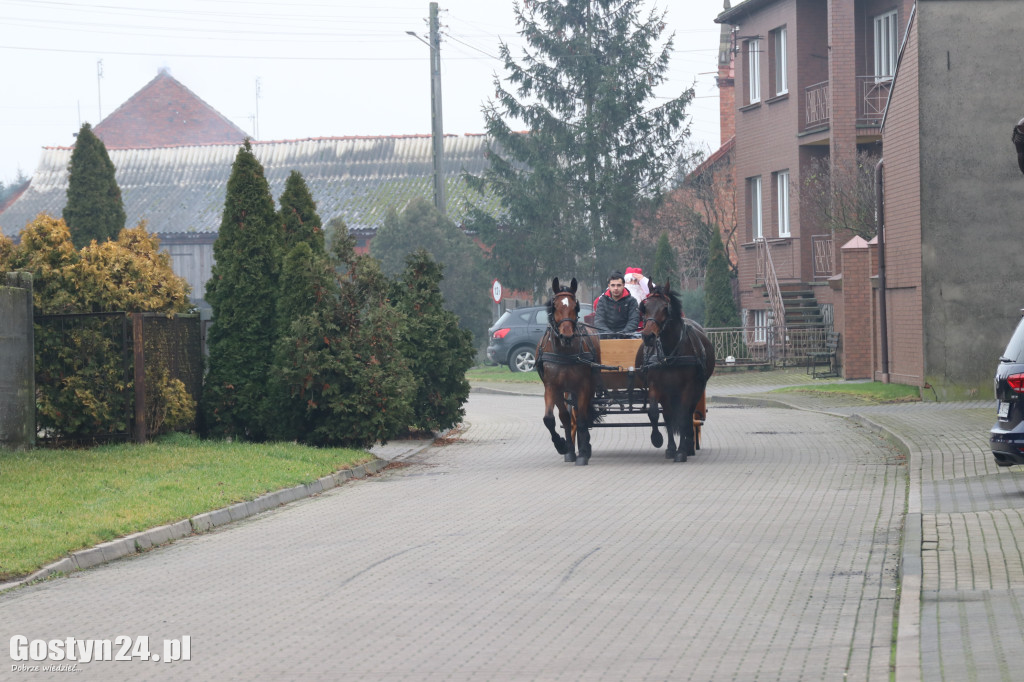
17, 363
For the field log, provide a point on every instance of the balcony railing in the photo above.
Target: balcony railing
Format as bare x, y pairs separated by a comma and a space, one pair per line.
818, 107
824, 255
872, 94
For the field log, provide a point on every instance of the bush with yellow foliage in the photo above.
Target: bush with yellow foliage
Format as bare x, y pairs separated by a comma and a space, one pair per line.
82, 387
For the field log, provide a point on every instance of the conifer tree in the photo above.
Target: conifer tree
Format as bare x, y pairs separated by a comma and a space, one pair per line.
300, 224
597, 145
308, 290
94, 209
437, 350
464, 285
299, 217
342, 363
242, 291
665, 268
719, 304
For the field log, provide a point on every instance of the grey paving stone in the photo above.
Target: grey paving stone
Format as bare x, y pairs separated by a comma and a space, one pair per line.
770, 555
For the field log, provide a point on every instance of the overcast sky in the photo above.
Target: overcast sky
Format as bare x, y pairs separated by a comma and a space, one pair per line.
284, 70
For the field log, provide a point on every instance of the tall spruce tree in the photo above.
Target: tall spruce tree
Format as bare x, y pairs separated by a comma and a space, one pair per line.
596, 144
94, 209
719, 304
242, 291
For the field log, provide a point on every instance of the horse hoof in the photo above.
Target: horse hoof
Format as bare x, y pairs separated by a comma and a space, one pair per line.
680, 457
570, 456
562, 447
582, 461
657, 440
669, 455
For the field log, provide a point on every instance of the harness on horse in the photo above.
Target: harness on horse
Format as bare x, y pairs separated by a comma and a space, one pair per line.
658, 357
552, 335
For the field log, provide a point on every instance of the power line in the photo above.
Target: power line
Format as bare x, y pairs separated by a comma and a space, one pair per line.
362, 58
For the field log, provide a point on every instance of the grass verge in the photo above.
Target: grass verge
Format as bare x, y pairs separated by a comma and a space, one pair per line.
57, 501
501, 373
873, 392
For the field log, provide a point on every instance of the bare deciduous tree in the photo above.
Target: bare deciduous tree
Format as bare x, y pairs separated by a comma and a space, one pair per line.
703, 201
842, 194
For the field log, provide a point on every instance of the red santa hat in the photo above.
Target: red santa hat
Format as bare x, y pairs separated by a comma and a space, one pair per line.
634, 271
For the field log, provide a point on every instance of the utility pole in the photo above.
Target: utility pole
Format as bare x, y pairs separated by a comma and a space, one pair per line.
256, 119
437, 125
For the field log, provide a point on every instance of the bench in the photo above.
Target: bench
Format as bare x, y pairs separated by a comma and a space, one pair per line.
826, 358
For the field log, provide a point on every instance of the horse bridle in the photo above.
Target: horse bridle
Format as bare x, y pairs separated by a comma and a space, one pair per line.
551, 316
659, 348
651, 318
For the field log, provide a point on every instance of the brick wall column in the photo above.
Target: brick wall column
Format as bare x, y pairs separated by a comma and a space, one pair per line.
842, 78
857, 324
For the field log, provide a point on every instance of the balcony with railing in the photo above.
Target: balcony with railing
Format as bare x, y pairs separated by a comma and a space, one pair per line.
824, 255
817, 106
872, 96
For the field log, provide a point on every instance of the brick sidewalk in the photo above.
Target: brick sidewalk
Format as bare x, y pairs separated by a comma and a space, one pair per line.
965, 520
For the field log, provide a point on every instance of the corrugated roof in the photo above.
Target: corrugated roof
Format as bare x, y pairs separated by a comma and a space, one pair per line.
181, 189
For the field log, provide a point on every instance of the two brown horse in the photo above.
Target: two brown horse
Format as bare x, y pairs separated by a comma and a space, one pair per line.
677, 359
567, 356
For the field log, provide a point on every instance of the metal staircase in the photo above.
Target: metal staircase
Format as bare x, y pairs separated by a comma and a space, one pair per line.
797, 324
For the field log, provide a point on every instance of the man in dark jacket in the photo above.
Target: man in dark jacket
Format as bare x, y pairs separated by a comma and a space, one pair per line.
617, 311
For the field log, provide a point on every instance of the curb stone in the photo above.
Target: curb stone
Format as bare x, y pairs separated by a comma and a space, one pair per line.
200, 523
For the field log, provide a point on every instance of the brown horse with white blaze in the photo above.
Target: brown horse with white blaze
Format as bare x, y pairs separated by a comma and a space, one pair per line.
678, 359
567, 356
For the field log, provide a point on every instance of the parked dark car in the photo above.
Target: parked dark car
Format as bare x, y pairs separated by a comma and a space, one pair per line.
514, 337
1007, 436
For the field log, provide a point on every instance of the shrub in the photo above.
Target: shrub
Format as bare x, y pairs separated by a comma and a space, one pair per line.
438, 351
81, 383
340, 361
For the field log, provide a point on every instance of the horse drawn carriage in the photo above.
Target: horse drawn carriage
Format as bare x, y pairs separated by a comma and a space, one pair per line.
623, 390
662, 374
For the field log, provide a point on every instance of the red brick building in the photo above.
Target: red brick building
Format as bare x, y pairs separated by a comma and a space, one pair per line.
811, 81
932, 88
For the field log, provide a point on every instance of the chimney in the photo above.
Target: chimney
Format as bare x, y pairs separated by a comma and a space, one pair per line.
726, 83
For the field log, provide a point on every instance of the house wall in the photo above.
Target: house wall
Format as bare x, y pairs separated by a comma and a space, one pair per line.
902, 182
191, 258
972, 193
766, 133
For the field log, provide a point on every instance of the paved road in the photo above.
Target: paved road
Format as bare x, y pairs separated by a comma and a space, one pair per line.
772, 555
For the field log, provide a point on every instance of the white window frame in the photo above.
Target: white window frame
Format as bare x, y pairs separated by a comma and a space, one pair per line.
756, 223
885, 45
781, 80
782, 201
753, 71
